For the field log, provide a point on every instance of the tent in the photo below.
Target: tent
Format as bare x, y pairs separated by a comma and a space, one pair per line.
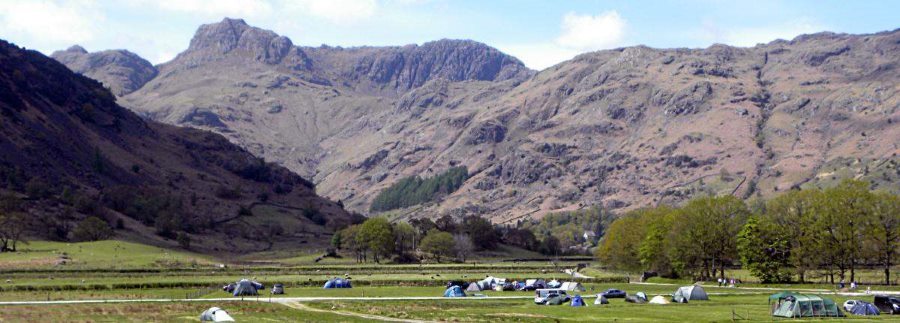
535, 284
863, 308
247, 288
658, 299
799, 305
601, 300
577, 301
215, 314
554, 284
454, 291
337, 283
638, 298
474, 287
557, 300
572, 286
689, 293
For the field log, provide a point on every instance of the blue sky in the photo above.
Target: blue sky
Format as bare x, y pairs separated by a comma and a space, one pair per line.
540, 33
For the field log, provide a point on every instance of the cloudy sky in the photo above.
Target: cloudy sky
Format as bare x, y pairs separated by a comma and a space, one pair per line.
540, 33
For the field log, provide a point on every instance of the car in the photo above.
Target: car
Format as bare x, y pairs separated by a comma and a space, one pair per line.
614, 293
849, 304
278, 289
887, 304
542, 295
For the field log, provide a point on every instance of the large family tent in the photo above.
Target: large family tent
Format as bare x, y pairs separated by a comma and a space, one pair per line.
337, 283
474, 287
658, 299
572, 287
799, 305
689, 293
454, 291
863, 308
247, 288
601, 300
577, 301
532, 284
215, 314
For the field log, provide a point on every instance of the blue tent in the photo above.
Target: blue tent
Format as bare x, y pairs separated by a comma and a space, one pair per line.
454, 291
577, 301
337, 283
247, 288
863, 308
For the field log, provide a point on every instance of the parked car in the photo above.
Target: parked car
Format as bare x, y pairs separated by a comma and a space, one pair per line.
849, 304
278, 289
542, 295
614, 293
887, 304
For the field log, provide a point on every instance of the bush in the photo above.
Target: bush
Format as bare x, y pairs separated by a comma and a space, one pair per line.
92, 229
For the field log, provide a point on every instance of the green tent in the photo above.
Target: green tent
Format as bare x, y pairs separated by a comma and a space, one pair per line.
799, 305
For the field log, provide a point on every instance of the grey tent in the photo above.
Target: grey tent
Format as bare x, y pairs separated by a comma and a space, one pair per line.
215, 314
689, 293
474, 287
601, 300
572, 287
247, 288
639, 298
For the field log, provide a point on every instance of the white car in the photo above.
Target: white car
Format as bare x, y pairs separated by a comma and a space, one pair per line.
849, 304
542, 295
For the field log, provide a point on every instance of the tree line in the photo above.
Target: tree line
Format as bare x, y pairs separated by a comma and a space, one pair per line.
414, 190
836, 230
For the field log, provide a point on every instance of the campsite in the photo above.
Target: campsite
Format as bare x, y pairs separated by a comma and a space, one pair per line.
377, 291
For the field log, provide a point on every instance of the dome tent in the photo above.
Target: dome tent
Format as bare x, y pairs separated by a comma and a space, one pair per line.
863, 308
454, 291
689, 293
246, 287
215, 314
337, 283
577, 301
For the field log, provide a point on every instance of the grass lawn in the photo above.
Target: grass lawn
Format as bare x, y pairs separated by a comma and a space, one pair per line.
718, 309
162, 312
98, 254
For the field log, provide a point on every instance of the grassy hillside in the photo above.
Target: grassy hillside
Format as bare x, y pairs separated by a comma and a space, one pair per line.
97, 254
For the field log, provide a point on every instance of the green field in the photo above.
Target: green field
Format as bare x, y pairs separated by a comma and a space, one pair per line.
113, 271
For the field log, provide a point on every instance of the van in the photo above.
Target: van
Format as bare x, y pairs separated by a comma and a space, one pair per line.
887, 304
542, 295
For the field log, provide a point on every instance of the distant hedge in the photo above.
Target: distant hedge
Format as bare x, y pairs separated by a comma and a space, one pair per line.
414, 190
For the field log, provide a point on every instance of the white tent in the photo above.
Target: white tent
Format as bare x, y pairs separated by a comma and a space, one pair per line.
690, 293
215, 314
474, 287
658, 299
601, 300
572, 287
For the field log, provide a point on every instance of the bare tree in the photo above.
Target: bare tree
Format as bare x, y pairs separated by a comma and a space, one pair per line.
463, 246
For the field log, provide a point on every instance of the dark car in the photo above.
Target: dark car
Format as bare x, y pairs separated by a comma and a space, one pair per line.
459, 283
887, 304
278, 289
614, 293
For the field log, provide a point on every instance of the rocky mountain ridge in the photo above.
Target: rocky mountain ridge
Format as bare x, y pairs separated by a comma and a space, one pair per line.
68, 151
624, 128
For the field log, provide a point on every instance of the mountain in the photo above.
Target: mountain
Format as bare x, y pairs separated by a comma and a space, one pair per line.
67, 151
120, 70
622, 128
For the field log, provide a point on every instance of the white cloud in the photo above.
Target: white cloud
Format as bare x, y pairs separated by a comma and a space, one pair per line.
539, 56
211, 8
750, 36
589, 33
578, 34
334, 11
49, 24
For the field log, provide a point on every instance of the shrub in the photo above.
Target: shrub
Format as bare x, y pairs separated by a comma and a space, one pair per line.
92, 229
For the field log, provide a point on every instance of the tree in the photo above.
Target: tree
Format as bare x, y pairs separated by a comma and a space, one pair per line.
404, 238
704, 235
883, 230
438, 244
92, 229
792, 217
841, 210
377, 235
549, 246
12, 228
351, 242
446, 223
763, 251
653, 249
463, 246
184, 240
336, 240
619, 248
481, 232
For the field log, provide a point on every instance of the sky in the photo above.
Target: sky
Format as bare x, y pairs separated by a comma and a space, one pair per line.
540, 33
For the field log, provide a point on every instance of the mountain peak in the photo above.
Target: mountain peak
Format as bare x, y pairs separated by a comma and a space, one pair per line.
77, 49
217, 39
